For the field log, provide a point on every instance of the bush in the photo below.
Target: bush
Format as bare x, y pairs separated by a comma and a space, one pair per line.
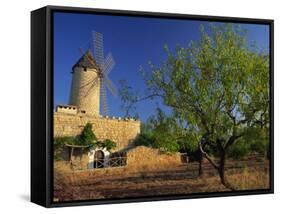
258, 139
87, 136
145, 139
108, 144
260, 146
169, 147
239, 150
187, 146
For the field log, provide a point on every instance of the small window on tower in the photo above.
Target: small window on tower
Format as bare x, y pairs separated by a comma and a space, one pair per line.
85, 69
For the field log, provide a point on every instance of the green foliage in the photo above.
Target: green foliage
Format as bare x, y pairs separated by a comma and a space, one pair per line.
255, 141
216, 87
258, 139
87, 136
145, 139
187, 146
166, 133
239, 150
108, 144
169, 146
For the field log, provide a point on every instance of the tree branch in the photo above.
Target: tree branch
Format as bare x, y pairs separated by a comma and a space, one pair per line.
131, 103
207, 156
231, 140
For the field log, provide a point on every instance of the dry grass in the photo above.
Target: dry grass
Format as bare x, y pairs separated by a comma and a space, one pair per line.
249, 178
122, 182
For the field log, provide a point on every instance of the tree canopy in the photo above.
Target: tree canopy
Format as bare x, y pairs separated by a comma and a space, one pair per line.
217, 87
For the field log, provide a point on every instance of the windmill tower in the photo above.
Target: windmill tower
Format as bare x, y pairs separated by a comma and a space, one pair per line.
90, 79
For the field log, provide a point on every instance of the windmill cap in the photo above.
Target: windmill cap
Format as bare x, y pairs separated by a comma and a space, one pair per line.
86, 61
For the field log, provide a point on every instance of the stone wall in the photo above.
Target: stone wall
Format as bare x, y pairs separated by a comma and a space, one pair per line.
139, 159
143, 158
121, 131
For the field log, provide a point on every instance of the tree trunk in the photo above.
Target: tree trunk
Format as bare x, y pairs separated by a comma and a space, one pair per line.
199, 158
200, 169
221, 170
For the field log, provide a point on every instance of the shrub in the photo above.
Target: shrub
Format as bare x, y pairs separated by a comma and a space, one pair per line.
169, 147
239, 150
108, 144
145, 139
87, 136
187, 146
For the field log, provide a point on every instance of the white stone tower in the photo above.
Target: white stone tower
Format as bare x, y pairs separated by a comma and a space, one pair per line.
85, 86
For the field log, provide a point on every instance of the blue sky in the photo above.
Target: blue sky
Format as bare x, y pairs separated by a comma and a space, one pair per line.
133, 41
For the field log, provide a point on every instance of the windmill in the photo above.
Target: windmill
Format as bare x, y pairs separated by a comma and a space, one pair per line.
84, 93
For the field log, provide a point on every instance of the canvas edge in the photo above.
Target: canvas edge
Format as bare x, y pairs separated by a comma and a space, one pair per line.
49, 103
38, 151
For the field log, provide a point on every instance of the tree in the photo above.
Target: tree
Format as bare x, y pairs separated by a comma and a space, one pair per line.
219, 87
87, 136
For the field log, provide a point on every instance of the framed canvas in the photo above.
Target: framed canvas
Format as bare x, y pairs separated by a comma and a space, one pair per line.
133, 106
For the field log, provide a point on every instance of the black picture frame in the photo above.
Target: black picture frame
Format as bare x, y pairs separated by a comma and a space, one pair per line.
42, 103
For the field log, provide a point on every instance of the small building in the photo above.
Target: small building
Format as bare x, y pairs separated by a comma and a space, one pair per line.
68, 109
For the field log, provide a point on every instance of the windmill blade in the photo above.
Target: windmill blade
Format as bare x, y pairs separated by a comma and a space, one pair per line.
103, 97
109, 64
98, 48
88, 58
94, 83
110, 85
91, 81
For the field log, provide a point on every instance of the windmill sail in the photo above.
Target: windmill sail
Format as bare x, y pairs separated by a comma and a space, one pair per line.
103, 67
98, 48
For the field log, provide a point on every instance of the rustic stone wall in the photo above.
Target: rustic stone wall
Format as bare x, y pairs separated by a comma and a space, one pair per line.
139, 159
143, 158
121, 131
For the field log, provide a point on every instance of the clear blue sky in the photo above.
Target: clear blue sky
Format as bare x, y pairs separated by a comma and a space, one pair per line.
133, 42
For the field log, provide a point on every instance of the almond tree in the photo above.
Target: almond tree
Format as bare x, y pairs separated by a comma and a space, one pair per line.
219, 85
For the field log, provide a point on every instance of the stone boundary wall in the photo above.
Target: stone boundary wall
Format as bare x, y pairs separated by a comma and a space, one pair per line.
140, 159
121, 131
144, 158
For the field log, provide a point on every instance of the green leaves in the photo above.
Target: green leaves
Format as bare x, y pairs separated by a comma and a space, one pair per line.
167, 133
87, 136
217, 85
108, 144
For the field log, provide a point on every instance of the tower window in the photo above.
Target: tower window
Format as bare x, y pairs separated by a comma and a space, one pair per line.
85, 69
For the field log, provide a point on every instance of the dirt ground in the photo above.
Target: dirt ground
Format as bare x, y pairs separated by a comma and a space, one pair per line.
183, 179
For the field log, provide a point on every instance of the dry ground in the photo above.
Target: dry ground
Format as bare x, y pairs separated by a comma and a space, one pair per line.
121, 183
